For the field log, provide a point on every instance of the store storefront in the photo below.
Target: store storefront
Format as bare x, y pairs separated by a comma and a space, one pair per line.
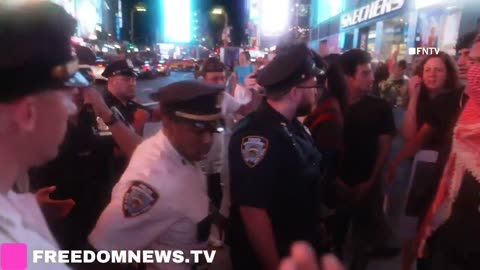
379, 27
325, 25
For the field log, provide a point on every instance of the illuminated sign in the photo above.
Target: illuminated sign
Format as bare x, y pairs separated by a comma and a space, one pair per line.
68, 5
370, 11
275, 17
88, 17
177, 21
426, 3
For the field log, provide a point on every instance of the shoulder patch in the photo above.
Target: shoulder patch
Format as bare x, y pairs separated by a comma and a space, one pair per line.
253, 150
138, 199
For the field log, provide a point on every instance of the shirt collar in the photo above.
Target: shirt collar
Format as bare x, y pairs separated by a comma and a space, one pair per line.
10, 216
170, 150
112, 100
274, 116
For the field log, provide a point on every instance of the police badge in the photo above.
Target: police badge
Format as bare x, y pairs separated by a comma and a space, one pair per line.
138, 199
253, 150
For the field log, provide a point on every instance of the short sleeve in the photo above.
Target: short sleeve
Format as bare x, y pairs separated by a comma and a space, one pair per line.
253, 164
135, 216
387, 122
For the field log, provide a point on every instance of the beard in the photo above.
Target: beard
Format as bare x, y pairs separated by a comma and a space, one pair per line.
304, 108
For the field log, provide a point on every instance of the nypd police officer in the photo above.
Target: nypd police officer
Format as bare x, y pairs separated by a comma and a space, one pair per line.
161, 201
275, 169
38, 72
120, 94
119, 97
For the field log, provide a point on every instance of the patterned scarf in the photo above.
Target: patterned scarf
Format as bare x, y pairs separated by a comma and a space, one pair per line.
465, 155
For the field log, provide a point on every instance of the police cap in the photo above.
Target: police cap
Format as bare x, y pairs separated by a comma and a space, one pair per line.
191, 100
288, 69
35, 50
119, 68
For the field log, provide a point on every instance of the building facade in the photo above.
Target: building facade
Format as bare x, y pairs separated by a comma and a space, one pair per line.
384, 26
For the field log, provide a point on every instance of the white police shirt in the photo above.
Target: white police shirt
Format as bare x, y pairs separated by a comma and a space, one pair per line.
160, 203
22, 222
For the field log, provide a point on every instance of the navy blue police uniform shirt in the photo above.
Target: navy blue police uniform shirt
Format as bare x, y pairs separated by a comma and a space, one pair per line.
274, 166
365, 122
128, 110
83, 171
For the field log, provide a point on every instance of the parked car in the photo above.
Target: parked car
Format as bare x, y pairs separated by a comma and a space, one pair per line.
176, 65
183, 65
189, 65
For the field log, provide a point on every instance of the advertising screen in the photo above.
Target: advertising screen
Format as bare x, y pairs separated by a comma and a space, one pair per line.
177, 21
275, 17
438, 28
88, 14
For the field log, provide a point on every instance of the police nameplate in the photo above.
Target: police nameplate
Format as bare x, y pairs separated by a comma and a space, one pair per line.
138, 199
254, 149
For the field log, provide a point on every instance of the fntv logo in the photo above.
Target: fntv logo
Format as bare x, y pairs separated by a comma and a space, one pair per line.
423, 51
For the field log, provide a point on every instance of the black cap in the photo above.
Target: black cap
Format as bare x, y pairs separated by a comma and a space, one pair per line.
119, 68
288, 69
191, 100
35, 50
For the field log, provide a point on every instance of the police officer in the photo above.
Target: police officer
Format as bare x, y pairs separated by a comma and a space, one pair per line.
38, 71
275, 169
119, 97
120, 94
161, 201
84, 169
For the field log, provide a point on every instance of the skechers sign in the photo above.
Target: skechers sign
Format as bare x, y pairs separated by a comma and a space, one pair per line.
370, 11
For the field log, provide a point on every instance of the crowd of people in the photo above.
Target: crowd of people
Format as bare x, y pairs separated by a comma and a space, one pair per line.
286, 170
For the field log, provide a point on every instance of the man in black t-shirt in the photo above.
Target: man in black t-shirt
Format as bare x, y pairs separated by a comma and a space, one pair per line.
368, 131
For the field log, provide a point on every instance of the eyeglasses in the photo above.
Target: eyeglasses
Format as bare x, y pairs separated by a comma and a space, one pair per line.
317, 86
